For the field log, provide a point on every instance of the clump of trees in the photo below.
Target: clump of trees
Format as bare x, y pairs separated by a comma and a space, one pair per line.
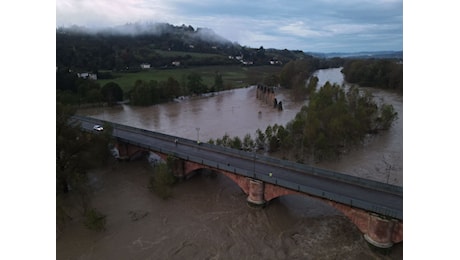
163, 178
95, 220
153, 92
76, 91
294, 75
381, 73
147, 93
73, 90
77, 152
334, 121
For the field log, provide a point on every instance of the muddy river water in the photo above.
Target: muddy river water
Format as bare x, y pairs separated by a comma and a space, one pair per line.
207, 217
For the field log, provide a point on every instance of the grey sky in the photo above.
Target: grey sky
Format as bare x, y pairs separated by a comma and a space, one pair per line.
313, 25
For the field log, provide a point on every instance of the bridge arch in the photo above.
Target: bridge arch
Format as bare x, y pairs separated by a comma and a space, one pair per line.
379, 231
241, 181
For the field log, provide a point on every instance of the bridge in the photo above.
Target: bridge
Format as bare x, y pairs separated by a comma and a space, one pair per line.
375, 208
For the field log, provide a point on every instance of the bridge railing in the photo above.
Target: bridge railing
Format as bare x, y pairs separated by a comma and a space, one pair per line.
292, 185
301, 168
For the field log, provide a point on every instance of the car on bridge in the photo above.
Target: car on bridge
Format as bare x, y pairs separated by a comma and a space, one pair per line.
98, 128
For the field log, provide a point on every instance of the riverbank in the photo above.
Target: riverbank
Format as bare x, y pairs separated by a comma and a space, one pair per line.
207, 218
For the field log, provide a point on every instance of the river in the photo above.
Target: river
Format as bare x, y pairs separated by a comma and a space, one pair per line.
207, 218
237, 112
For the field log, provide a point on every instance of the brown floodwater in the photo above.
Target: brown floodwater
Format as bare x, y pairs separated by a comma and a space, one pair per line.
208, 218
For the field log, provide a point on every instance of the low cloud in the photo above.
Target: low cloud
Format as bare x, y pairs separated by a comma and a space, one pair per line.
300, 29
273, 24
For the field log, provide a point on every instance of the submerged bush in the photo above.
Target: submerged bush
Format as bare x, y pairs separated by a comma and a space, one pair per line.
95, 220
162, 180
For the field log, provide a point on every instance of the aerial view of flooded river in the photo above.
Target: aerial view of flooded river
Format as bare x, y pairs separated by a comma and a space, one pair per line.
207, 217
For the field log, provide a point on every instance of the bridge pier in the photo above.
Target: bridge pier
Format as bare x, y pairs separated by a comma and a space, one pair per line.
256, 193
380, 231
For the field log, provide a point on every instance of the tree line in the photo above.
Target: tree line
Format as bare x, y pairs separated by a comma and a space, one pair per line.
381, 73
70, 89
77, 91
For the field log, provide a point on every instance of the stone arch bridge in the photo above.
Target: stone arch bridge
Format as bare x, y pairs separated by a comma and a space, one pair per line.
374, 207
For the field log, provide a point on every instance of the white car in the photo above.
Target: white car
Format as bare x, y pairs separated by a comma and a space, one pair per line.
98, 128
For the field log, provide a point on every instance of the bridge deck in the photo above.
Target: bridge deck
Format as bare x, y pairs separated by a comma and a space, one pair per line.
381, 198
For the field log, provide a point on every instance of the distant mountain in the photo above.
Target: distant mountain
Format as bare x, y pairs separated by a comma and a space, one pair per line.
360, 55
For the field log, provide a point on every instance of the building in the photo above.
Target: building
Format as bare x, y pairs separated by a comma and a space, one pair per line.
87, 75
145, 66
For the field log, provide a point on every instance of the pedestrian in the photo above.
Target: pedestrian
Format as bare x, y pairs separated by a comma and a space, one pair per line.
270, 174
175, 141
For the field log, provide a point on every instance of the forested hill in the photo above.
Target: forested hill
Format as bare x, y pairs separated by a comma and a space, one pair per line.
132, 44
158, 44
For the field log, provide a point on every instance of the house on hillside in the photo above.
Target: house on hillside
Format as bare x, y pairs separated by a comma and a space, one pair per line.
87, 75
145, 66
176, 63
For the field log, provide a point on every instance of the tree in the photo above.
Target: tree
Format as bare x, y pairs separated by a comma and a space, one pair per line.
236, 143
387, 117
312, 85
248, 143
173, 88
271, 80
218, 82
142, 93
76, 153
162, 180
111, 93
260, 139
89, 91
195, 84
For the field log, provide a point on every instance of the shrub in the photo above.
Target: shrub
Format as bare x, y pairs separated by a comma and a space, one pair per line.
161, 182
95, 220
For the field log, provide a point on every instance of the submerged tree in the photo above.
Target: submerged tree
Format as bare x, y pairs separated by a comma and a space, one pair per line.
162, 180
77, 152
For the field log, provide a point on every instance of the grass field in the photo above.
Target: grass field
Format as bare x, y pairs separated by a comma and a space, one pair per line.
234, 76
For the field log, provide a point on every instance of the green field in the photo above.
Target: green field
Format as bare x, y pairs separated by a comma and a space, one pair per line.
234, 76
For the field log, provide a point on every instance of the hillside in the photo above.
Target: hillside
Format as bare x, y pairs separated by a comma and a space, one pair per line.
159, 44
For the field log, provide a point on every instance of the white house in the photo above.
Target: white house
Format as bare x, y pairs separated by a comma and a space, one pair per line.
87, 75
145, 66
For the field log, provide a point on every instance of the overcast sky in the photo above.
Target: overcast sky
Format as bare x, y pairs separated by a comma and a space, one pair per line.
308, 25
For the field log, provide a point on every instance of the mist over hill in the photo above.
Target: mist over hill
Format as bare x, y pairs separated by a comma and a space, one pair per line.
127, 46
159, 44
187, 33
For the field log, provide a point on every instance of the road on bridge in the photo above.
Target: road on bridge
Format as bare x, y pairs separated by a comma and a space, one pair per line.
382, 198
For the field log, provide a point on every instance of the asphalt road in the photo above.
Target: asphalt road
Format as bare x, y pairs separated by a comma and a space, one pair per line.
376, 197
